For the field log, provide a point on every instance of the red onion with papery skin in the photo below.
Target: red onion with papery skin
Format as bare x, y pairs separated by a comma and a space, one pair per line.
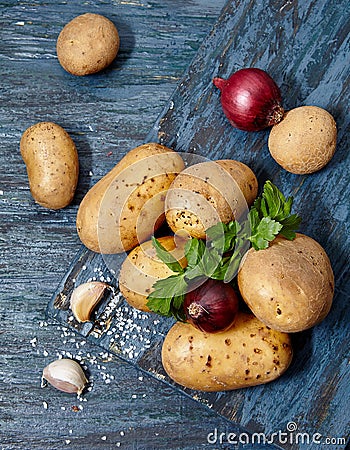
250, 99
211, 307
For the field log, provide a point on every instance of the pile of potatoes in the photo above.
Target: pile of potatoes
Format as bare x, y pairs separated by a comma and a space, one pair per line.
287, 287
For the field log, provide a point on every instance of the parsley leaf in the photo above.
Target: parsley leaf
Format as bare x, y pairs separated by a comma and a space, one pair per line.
167, 297
274, 205
166, 256
223, 236
194, 250
264, 232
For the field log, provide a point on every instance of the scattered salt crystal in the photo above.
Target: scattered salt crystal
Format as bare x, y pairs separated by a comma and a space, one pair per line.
104, 438
84, 267
45, 405
141, 378
122, 433
134, 396
90, 174
21, 24
67, 441
45, 353
63, 408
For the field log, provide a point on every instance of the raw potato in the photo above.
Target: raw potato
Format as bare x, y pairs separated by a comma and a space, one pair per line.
87, 44
207, 193
305, 140
142, 268
290, 285
247, 354
52, 164
126, 206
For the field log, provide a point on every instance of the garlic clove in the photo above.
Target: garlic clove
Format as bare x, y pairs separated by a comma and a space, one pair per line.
85, 297
65, 375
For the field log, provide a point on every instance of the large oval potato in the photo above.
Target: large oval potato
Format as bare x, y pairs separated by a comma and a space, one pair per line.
290, 285
142, 268
52, 164
126, 206
247, 354
207, 193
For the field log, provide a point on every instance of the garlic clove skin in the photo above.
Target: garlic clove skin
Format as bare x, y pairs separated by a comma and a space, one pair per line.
85, 297
65, 375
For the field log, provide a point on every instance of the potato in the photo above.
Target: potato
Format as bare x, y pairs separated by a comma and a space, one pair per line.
52, 164
126, 206
207, 193
87, 44
290, 285
247, 354
142, 268
304, 141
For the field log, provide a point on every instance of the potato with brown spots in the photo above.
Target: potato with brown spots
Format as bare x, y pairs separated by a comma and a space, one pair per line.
126, 206
304, 141
207, 193
247, 354
142, 268
52, 164
290, 285
87, 44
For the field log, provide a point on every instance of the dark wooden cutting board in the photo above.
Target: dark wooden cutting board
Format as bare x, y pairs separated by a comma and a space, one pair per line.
305, 47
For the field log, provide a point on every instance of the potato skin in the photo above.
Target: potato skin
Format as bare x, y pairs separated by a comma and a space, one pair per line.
142, 268
247, 354
52, 164
207, 193
126, 206
304, 141
87, 44
290, 285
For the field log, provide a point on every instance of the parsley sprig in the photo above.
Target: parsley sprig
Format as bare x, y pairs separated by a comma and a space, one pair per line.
220, 256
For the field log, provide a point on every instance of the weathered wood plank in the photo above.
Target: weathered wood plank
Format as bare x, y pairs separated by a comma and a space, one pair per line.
112, 111
304, 48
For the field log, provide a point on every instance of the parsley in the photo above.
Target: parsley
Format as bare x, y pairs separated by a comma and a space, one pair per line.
220, 256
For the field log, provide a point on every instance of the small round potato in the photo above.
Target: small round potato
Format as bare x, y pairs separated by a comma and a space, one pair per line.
290, 285
52, 164
87, 44
304, 141
247, 354
142, 268
207, 193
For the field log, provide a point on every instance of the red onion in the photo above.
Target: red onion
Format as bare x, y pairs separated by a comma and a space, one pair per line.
251, 100
211, 307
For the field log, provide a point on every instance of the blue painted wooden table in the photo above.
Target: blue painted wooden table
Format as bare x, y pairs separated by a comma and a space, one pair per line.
306, 50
